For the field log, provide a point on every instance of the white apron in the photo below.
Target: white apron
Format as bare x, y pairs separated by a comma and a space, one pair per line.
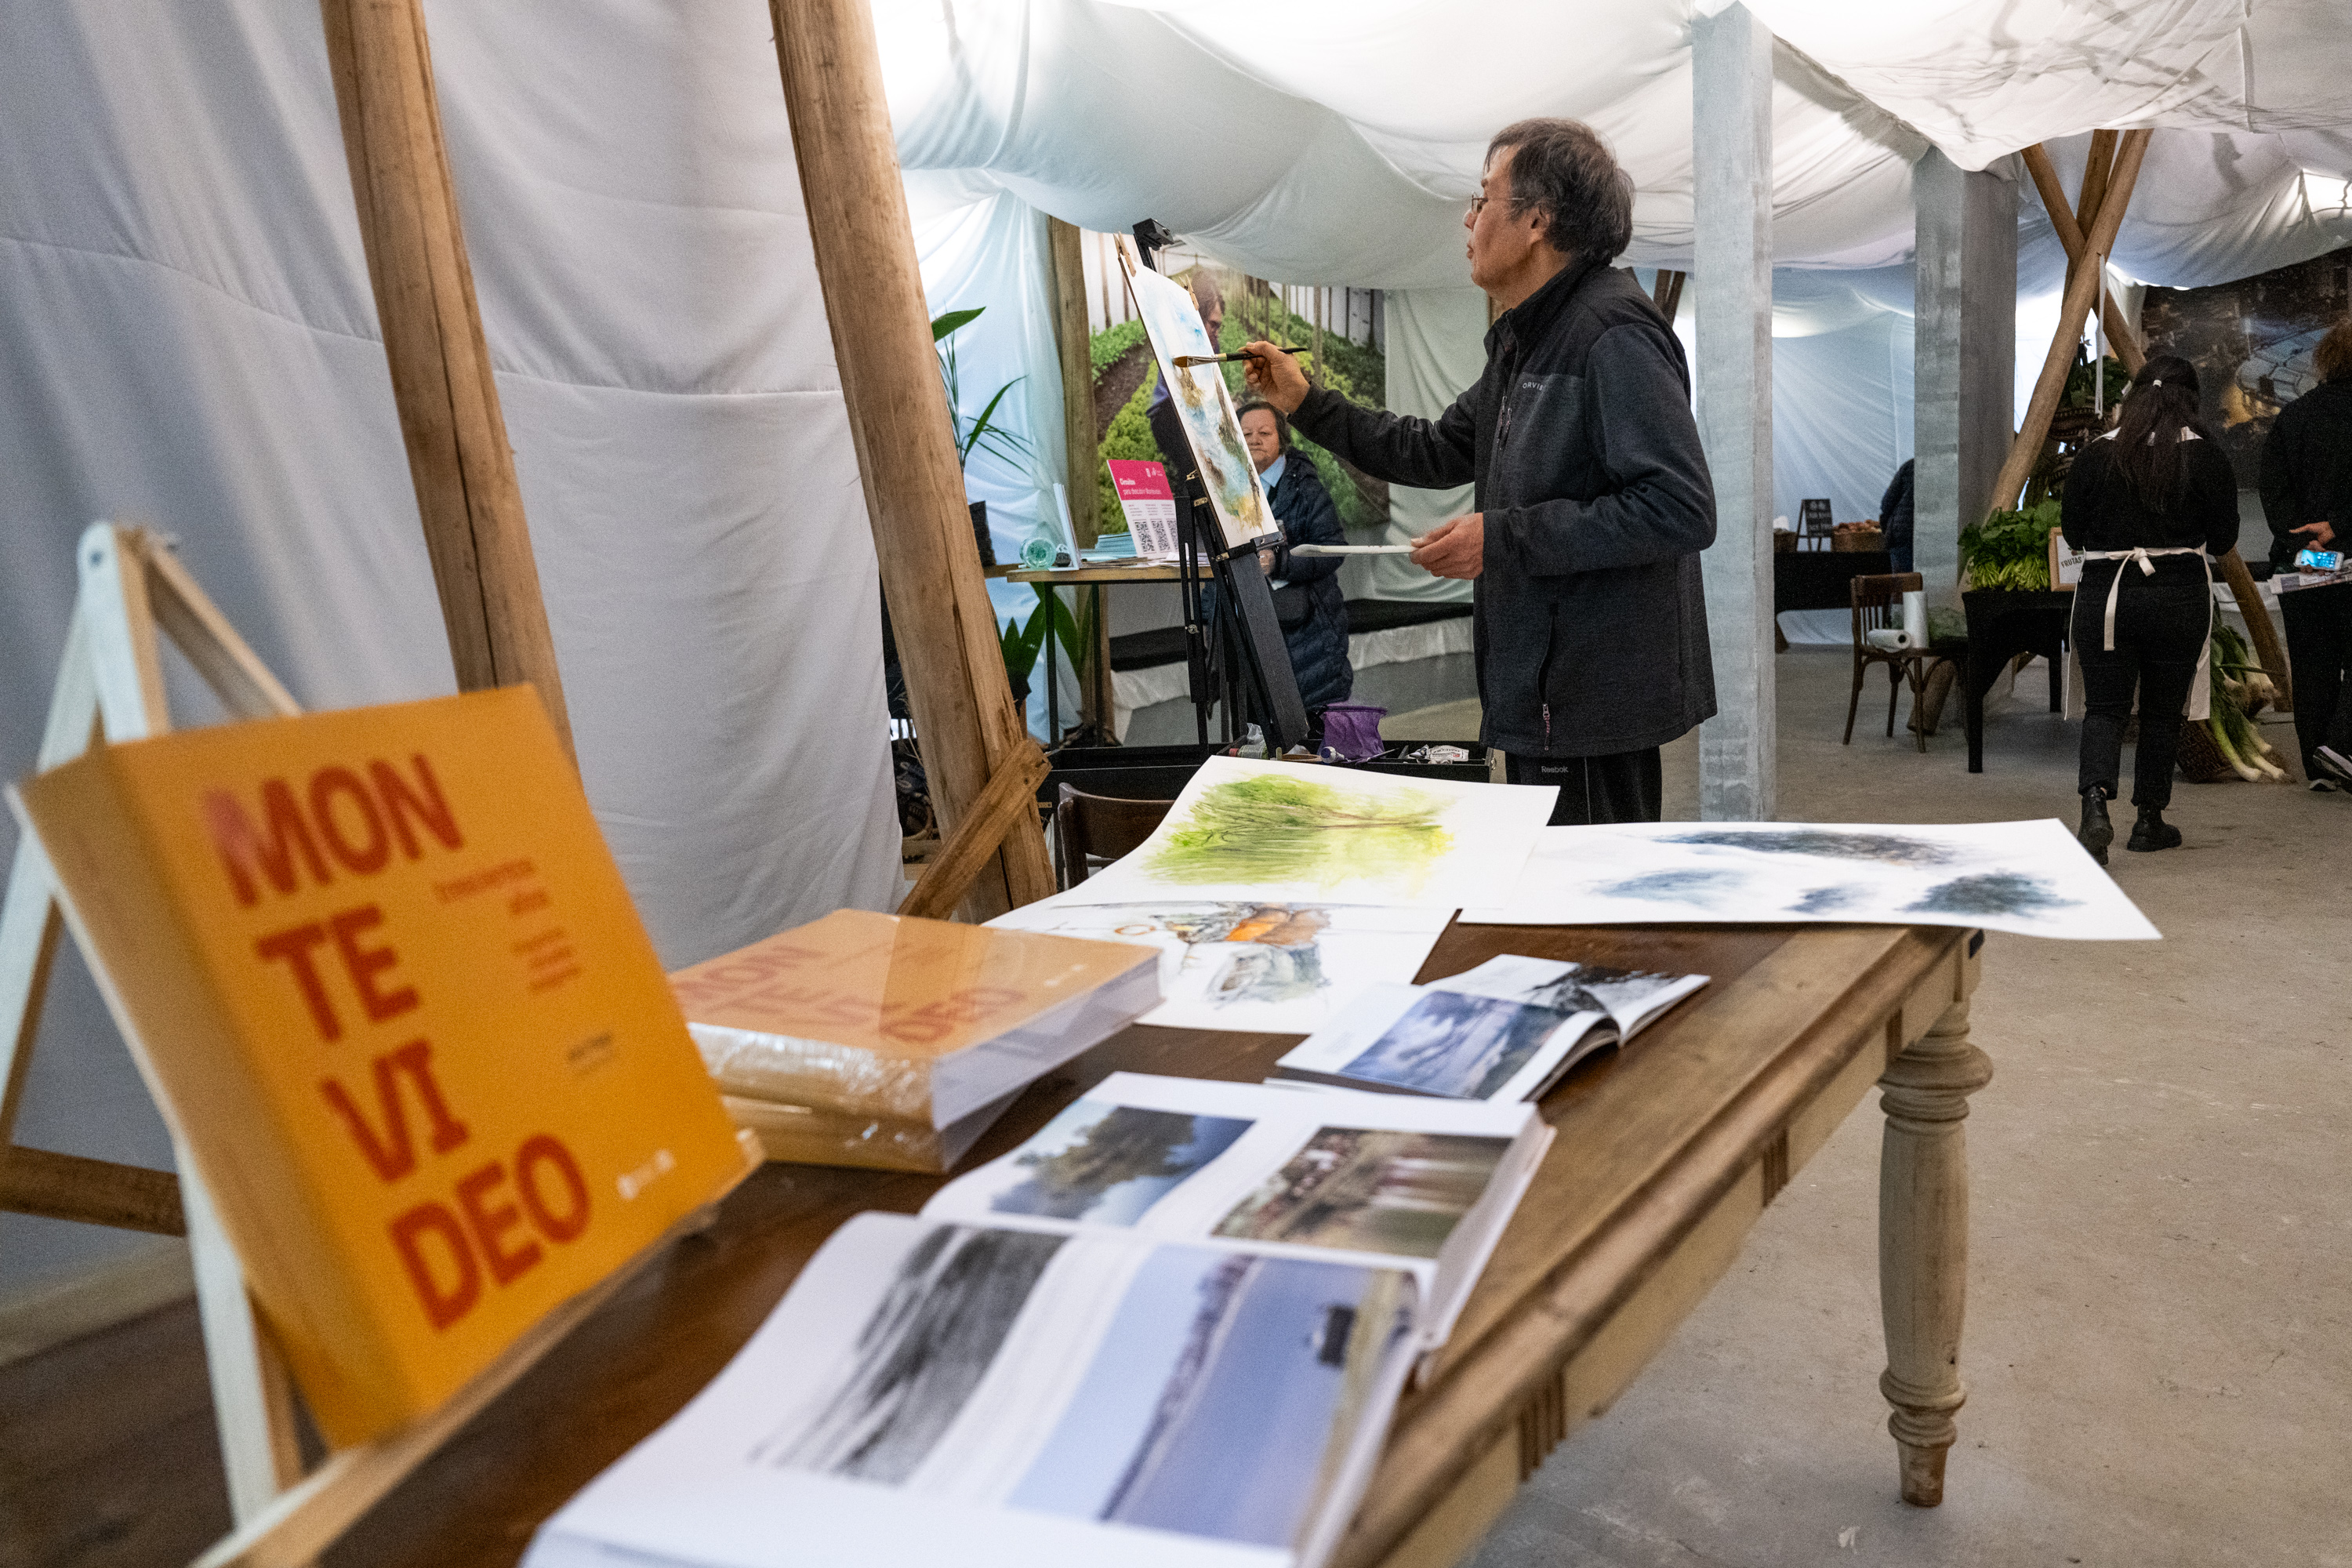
2200, 705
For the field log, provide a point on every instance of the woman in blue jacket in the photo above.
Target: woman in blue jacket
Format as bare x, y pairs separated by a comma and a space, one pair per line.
1306, 597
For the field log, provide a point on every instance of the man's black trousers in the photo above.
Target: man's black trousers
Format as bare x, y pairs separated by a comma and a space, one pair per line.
1621, 787
2319, 648
2160, 632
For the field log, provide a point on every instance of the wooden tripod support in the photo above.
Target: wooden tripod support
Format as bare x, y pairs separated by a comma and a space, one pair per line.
111, 686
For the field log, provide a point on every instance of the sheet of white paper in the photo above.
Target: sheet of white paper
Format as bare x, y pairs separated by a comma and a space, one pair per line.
2031, 878
936, 1393
1269, 968
1302, 833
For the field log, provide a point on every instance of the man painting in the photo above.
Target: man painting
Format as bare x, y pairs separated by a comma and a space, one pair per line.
1592, 498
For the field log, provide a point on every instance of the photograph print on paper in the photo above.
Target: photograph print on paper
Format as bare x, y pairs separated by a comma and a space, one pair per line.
1106, 1165
1369, 1189
1455, 1044
1221, 1398
951, 1305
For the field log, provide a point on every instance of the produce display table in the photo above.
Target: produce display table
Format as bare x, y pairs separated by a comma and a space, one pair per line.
1667, 1155
1817, 579
2002, 624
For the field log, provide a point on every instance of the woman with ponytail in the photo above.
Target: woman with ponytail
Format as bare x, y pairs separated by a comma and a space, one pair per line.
2148, 503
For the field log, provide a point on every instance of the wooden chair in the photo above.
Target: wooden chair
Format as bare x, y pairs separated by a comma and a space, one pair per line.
1874, 600
1092, 830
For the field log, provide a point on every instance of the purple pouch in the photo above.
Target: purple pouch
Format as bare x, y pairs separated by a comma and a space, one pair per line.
1353, 730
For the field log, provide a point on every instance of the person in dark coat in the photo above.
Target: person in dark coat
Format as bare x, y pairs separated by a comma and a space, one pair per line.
2147, 503
2307, 501
1895, 510
1593, 497
1306, 597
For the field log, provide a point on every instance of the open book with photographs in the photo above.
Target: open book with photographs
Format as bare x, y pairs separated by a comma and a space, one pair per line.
1170, 1329
1503, 1032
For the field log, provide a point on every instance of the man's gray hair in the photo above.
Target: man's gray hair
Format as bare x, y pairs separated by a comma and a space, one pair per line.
1562, 169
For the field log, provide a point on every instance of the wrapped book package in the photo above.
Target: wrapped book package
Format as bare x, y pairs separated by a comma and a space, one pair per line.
868, 1039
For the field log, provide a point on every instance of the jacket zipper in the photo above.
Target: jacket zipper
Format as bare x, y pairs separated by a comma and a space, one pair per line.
1543, 676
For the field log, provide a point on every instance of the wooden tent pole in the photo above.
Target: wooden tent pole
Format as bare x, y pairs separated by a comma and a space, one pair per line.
2120, 334
2098, 169
2077, 304
1071, 336
458, 458
1073, 339
864, 245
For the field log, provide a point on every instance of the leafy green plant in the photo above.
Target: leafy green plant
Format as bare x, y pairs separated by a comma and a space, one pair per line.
2081, 382
1107, 347
2010, 549
1022, 644
983, 433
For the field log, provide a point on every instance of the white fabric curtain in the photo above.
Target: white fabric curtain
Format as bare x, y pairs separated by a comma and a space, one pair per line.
187, 339
1334, 140
1436, 351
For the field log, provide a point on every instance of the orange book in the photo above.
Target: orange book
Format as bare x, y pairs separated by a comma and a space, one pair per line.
880, 1040
400, 1012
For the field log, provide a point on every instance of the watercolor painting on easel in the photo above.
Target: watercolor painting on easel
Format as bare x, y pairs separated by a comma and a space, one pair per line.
1202, 400
1293, 833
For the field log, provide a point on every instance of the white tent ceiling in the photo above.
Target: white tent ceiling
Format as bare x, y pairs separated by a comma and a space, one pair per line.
1335, 141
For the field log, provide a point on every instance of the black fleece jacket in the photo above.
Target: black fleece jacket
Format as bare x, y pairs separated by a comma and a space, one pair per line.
2099, 511
1590, 622
2307, 471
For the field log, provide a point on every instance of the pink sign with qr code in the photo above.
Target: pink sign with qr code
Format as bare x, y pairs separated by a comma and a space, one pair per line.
1148, 504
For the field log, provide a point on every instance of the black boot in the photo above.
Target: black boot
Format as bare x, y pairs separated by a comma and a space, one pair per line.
2096, 832
2152, 832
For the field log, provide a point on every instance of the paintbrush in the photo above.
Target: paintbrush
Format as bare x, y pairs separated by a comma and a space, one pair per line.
1186, 362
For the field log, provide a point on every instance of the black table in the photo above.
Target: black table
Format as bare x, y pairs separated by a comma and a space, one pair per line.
2002, 624
1818, 579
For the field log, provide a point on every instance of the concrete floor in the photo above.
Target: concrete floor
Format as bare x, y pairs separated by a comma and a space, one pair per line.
2157, 1359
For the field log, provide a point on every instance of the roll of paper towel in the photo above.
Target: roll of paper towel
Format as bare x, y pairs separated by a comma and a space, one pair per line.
1892, 638
1915, 617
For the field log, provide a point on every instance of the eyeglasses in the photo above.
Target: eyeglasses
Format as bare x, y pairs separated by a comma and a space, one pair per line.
1478, 202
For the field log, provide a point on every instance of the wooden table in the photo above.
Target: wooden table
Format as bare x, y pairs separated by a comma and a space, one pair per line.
2002, 624
1667, 1155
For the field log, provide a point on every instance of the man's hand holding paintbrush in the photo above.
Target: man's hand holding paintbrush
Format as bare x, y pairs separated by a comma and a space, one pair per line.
1454, 548
1185, 361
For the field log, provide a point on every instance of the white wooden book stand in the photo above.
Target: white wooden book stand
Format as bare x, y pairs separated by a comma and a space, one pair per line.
110, 683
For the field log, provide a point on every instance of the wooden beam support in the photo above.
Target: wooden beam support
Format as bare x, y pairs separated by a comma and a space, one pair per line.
2080, 288
2121, 335
1071, 336
1667, 295
1009, 797
92, 1191
2098, 170
864, 245
458, 458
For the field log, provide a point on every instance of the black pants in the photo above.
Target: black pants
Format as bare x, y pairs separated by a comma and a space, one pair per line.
2160, 632
2319, 648
1620, 786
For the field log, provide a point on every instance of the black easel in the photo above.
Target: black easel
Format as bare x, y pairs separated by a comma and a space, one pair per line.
1259, 683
